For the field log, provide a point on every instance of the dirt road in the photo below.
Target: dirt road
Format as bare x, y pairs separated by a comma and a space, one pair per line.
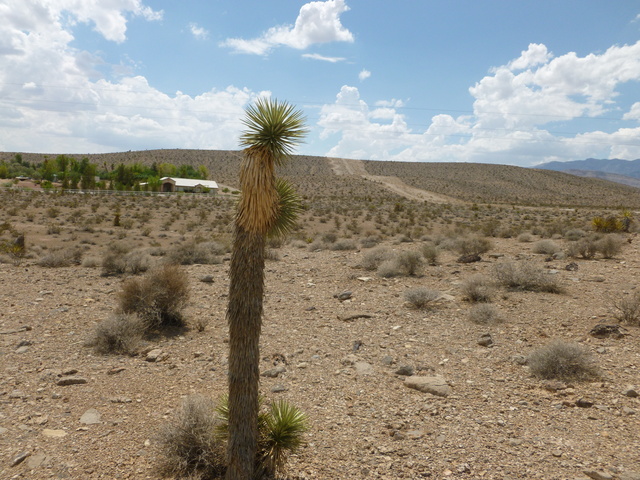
342, 166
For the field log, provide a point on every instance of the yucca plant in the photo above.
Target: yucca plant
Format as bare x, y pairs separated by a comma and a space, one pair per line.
273, 129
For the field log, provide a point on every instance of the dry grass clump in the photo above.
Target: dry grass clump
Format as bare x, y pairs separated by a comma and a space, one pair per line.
477, 288
61, 257
526, 276
472, 245
584, 248
484, 314
118, 334
547, 247
203, 253
575, 234
158, 298
608, 246
402, 264
193, 445
430, 253
525, 237
421, 297
627, 309
344, 244
370, 241
563, 361
374, 258
133, 263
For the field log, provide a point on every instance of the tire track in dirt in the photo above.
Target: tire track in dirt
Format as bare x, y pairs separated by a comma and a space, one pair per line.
343, 166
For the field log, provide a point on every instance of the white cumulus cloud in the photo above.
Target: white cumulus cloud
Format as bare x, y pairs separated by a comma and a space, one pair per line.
515, 110
317, 22
364, 74
198, 32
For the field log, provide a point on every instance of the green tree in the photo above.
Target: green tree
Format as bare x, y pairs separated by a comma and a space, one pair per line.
272, 130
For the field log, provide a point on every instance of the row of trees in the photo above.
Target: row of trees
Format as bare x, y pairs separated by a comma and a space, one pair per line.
73, 174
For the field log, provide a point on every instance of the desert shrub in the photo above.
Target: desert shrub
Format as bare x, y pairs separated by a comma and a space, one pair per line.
484, 314
370, 241
388, 269
526, 276
574, 234
61, 257
562, 360
609, 246
584, 248
374, 258
329, 237
134, 262
525, 237
477, 288
90, 262
158, 298
472, 245
430, 253
344, 244
118, 334
191, 445
194, 443
421, 297
627, 309
547, 247
409, 263
203, 253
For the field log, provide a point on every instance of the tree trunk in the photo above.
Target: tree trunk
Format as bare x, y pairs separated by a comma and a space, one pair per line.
244, 316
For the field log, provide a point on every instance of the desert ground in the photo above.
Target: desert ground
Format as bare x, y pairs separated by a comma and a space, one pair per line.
349, 338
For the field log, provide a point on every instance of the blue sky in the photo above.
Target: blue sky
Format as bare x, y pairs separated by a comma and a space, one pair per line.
513, 82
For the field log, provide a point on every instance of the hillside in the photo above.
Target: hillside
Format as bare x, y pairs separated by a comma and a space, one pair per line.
474, 183
628, 168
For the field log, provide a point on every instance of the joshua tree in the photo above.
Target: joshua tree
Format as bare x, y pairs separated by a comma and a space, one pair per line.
272, 130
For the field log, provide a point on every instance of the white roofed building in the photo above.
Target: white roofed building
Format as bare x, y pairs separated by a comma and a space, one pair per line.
173, 184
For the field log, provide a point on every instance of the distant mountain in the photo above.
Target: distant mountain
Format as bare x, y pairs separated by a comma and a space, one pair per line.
627, 168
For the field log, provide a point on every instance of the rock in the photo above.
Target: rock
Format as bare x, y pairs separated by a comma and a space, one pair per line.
36, 460
629, 475
485, 340
278, 389
436, 385
3, 430
156, 355
628, 411
604, 331
554, 385
519, 359
18, 459
349, 360
584, 403
115, 370
363, 368
630, 392
17, 394
22, 349
357, 344
54, 433
469, 258
572, 267
406, 370
71, 380
274, 372
91, 417
346, 295
388, 361
598, 474
415, 434
120, 400
207, 278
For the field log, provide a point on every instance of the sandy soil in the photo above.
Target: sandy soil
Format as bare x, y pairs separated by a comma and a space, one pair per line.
498, 422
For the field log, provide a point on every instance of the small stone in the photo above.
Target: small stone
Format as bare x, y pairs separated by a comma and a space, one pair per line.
71, 380
584, 403
115, 370
54, 433
17, 394
69, 371
36, 460
349, 360
278, 389
434, 385
91, 417
363, 368
628, 411
18, 459
598, 475
207, 279
155, 355
22, 349
485, 340
302, 365
120, 400
572, 267
405, 370
274, 372
556, 453
554, 385
346, 295
388, 361
471, 258
519, 359
630, 392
